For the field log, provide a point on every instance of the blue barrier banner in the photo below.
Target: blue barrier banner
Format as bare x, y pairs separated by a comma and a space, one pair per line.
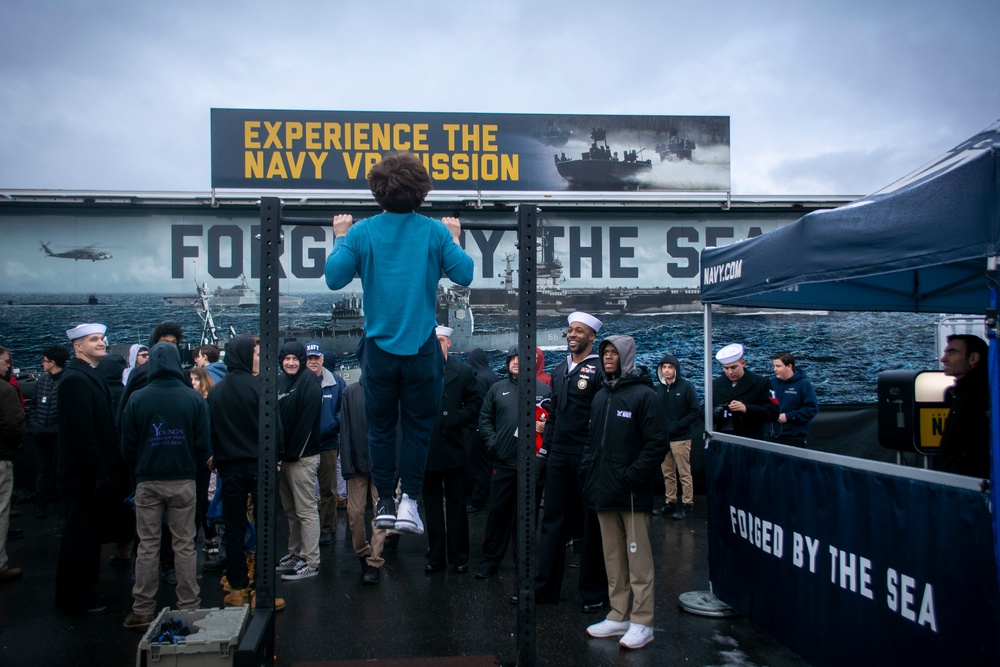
848, 566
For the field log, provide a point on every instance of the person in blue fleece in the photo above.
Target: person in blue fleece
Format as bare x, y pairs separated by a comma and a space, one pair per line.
400, 257
797, 403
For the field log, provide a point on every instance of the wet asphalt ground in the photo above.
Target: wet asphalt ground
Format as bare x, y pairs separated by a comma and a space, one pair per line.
334, 618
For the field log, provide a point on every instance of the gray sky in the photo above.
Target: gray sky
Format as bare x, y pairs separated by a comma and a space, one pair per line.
824, 97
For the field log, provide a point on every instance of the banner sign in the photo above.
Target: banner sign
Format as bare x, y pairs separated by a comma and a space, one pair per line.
471, 152
847, 566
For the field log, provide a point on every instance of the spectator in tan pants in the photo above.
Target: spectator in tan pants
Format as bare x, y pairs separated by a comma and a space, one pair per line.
356, 465
680, 402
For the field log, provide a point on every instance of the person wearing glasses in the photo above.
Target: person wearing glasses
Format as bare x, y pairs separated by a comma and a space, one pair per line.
43, 425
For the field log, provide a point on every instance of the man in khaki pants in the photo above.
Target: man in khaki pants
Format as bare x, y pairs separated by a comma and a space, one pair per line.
681, 405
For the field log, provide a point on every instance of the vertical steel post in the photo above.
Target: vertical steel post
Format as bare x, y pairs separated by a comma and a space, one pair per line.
527, 243
258, 644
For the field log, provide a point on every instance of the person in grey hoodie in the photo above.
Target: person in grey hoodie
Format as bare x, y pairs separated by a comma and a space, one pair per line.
681, 405
165, 435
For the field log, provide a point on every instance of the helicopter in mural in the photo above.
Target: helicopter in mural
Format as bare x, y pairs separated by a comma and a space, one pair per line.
90, 252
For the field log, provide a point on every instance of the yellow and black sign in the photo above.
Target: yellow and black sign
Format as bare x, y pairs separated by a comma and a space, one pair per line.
334, 150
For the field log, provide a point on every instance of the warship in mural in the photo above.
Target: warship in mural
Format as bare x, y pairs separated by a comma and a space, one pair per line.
237, 296
553, 136
601, 169
553, 298
453, 310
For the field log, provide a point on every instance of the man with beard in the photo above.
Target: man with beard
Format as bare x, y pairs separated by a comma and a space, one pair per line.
628, 440
744, 401
234, 404
300, 398
574, 384
90, 472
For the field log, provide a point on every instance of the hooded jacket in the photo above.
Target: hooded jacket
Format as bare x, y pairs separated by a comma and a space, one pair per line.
500, 417
165, 426
628, 438
679, 399
234, 403
572, 393
540, 373
300, 398
133, 355
797, 400
333, 387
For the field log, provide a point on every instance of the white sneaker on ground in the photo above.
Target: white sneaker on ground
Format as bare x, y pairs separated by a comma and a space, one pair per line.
408, 518
637, 636
304, 571
608, 628
288, 563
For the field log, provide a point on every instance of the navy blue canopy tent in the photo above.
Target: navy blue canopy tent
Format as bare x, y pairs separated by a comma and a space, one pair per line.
926, 243
923, 244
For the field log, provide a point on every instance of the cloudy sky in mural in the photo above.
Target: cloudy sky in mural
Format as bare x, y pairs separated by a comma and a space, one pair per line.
824, 98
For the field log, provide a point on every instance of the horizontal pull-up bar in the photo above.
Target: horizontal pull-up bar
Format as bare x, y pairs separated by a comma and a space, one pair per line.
478, 226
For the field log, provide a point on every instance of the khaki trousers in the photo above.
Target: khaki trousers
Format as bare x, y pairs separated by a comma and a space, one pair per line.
678, 461
630, 575
176, 500
359, 489
297, 489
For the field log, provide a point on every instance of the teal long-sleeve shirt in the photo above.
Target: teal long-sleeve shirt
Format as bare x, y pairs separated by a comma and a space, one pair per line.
398, 277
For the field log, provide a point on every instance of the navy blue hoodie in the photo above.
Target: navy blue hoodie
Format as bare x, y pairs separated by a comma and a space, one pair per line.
165, 425
797, 400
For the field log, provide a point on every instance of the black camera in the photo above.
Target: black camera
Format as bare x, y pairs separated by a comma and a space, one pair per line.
723, 418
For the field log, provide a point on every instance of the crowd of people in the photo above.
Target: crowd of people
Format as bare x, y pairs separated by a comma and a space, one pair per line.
154, 458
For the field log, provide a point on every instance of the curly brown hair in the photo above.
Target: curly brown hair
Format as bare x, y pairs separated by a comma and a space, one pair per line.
399, 182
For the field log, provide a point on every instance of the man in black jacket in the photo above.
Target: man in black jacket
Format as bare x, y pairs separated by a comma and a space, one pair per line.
744, 401
444, 478
90, 473
300, 399
43, 425
628, 439
234, 404
965, 443
680, 403
165, 435
498, 424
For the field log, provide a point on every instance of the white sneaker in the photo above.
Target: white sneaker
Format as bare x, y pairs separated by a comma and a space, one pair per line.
304, 571
288, 563
408, 518
608, 628
637, 636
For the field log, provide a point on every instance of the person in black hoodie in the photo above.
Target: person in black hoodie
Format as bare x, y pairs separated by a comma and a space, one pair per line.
165, 435
498, 423
680, 402
234, 403
628, 440
300, 397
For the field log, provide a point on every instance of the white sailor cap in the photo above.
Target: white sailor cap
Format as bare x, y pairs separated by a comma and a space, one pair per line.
729, 354
584, 318
82, 330
443, 331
